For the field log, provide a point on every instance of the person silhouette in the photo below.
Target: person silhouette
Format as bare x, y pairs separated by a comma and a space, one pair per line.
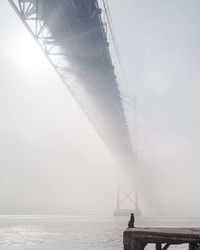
132, 221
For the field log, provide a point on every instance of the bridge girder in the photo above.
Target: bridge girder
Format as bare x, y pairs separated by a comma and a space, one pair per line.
83, 63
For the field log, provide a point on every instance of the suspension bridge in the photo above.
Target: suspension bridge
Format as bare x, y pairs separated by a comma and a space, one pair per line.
73, 36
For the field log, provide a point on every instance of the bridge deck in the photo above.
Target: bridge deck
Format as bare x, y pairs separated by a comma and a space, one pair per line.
74, 30
138, 238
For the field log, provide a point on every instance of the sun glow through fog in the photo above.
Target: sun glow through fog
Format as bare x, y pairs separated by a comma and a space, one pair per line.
27, 54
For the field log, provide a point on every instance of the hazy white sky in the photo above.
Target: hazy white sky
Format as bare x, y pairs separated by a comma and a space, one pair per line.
51, 159
161, 55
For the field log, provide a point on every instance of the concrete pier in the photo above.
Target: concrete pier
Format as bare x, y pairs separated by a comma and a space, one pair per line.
162, 238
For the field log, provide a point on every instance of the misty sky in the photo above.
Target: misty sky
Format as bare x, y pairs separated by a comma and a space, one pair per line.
52, 161
161, 58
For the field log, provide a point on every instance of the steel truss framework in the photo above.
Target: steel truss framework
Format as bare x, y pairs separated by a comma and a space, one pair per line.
29, 13
27, 10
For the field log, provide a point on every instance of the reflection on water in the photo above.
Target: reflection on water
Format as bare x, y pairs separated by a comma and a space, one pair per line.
62, 233
70, 233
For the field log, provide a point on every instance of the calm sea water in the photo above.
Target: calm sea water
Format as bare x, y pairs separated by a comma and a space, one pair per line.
74, 233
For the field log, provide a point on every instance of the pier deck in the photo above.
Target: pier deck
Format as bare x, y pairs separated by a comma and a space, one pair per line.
163, 238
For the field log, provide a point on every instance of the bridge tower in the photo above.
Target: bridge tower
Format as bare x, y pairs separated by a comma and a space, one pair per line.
127, 200
130, 199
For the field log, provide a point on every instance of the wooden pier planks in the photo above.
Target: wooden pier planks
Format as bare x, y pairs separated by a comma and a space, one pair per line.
139, 238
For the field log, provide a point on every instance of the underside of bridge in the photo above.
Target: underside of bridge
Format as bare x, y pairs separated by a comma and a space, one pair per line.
72, 35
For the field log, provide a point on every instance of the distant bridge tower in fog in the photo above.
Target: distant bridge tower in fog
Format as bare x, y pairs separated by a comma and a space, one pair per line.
73, 37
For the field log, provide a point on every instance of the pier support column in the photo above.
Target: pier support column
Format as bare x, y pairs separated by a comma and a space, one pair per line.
158, 246
193, 246
134, 244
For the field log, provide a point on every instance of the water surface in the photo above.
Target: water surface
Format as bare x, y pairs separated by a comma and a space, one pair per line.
75, 232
